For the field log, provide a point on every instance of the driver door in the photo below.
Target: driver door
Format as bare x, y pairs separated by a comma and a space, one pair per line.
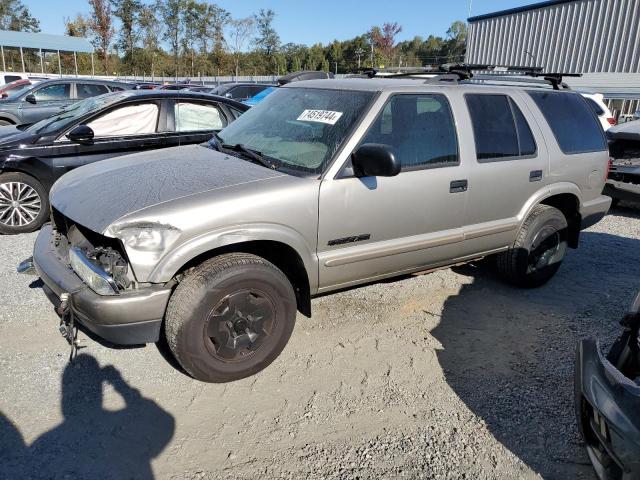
119, 131
50, 99
375, 227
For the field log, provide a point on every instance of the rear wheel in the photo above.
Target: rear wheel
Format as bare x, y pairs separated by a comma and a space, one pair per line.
24, 204
230, 317
4, 123
538, 251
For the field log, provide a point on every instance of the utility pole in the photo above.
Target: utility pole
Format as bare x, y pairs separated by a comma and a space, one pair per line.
372, 53
359, 53
336, 68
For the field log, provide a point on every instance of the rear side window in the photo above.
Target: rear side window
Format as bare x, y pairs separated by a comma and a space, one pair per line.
198, 117
11, 78
88, 90
573, 122
500, 130
597, 109
421, 130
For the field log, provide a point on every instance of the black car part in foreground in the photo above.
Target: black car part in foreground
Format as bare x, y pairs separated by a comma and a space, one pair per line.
32, 158
607, 394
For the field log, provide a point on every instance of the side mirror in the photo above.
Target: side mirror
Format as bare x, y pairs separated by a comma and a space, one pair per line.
81, 134
31, 98
375, 160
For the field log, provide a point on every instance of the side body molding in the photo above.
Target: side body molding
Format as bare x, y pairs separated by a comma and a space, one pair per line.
171, 263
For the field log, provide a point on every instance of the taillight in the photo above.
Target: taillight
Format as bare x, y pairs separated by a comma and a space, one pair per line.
612, 121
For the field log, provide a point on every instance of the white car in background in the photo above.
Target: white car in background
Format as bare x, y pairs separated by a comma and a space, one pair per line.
596, 102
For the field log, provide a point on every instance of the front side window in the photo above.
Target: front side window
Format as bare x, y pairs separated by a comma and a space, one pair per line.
198, 117
499, 128
88, 90
137, 119
300, 128
572, 121
419, 128
59, 91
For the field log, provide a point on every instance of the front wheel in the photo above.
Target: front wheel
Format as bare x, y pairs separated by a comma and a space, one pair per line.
24, 205
230, 317
539, 249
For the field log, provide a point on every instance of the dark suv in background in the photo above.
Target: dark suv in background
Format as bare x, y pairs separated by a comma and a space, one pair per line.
240, 91
51, 96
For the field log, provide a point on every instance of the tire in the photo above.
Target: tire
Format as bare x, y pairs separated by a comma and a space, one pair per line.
32, 209
538, 251
4, 123
230, 317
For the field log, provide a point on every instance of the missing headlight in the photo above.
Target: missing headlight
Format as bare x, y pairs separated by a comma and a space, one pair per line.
112, 263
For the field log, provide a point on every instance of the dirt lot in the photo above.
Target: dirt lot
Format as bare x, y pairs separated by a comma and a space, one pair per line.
448, 375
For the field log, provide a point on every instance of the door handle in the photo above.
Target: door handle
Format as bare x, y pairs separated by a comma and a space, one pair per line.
535, 175
458, 186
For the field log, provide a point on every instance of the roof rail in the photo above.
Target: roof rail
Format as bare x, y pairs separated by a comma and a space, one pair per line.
451, 72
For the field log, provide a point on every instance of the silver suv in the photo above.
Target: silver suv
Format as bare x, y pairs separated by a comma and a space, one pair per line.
325, 185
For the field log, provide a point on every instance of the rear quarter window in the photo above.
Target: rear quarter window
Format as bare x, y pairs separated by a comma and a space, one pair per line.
573, 122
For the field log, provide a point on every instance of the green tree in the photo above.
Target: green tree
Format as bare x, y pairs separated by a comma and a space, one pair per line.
267, 39
14, 15
171, 14
128, 12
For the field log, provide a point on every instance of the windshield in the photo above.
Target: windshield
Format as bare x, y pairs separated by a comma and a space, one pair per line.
301, 128
67, 116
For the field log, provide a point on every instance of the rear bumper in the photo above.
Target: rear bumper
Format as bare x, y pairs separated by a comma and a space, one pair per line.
594, 210
130, 318
608, 409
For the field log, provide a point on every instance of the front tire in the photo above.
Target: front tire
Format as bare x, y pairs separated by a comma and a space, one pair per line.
24, 203
538, 251
230, 317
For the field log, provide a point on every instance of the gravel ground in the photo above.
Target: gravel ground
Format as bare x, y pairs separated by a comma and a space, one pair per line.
447, 375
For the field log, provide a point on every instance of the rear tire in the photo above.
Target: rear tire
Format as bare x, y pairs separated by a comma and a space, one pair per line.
24, 203
538, 251
4, 123
230, 317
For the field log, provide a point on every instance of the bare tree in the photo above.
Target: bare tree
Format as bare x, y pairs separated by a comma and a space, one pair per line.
171, 12
101, 27
240, 31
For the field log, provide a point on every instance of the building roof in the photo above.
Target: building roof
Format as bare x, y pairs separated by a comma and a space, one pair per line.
533, 6
44, 41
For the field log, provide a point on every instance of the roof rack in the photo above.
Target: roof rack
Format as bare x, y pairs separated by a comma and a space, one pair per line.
455, 72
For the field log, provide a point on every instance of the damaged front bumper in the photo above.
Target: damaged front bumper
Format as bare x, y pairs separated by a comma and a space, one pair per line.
608, 409
131, 318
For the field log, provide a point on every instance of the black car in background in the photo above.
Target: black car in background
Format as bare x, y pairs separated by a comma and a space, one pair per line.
107, 126
48, 97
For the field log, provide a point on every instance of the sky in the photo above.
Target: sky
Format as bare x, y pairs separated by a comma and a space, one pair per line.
309, 22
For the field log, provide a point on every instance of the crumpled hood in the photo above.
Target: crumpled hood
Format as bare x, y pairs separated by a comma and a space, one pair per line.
97, 195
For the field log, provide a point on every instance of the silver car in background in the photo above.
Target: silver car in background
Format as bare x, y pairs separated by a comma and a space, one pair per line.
324, 185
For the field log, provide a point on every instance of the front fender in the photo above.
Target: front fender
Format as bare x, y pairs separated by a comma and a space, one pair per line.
171, 263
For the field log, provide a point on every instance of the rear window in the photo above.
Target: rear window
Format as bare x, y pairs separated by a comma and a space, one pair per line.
573, 122
500, 130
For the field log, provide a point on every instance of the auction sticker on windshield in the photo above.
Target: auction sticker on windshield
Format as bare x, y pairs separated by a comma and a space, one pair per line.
320, 116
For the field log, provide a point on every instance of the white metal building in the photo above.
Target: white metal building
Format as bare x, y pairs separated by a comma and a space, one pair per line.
598, 38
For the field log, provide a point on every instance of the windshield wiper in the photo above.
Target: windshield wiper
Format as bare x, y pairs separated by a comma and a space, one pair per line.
256, 157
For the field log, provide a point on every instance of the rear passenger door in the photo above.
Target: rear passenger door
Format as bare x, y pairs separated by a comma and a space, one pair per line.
511, 166
194, 121
373, 227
